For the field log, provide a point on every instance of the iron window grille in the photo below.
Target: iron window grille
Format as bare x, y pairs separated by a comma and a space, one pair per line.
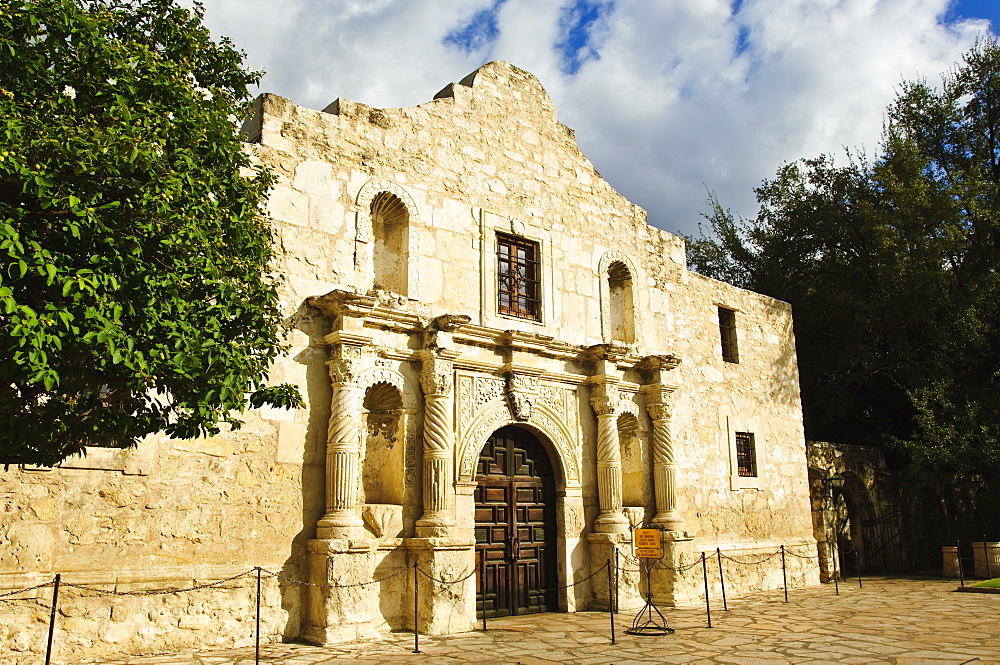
727, 331
518, 283
746, 455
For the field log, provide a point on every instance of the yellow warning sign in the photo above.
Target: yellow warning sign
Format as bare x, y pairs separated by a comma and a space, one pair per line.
647, 544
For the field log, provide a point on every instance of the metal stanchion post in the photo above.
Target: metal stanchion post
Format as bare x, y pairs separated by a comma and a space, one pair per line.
784, 575
256, 640
836, 573
52, 618
722, 580
958, 555
617, 580
857, 564
708, 607
416, 610
610, 605
986, 554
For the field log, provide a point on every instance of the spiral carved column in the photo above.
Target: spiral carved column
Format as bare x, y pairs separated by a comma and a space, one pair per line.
609, 460
664, 465
343, 449
436, 380
659, 391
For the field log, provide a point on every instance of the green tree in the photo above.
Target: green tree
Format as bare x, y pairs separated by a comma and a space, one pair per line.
136, 292
891, 265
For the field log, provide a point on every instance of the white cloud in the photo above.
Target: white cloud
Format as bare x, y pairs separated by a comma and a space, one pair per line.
683, 96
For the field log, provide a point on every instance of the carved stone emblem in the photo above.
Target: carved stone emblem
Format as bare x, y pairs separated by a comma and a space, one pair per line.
522, 390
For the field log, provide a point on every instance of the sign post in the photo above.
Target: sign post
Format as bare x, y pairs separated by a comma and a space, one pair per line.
647, 542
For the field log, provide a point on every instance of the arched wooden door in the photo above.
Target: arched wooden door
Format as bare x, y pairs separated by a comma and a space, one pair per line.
515, 525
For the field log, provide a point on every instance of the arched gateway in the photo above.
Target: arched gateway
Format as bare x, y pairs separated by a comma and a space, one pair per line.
515, 522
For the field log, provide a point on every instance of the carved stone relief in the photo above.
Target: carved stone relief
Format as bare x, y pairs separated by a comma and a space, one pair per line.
488, 389
498, 415
521, 395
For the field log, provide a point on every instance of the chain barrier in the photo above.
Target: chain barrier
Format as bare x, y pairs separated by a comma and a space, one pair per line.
5, 596
157, 592
760, 560
659, 564
580, 581
334, 586
445, 582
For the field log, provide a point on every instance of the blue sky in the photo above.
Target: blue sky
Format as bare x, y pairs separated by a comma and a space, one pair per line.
988, 9
669, 98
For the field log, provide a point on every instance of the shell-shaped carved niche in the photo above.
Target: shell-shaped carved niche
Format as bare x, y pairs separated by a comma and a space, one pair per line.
382, 467
388, 209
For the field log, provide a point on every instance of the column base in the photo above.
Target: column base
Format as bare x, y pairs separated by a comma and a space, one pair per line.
438, 525
341, 524
611, 522
338, 612
670, 521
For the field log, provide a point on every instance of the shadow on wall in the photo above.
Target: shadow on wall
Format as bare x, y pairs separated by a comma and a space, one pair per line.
313, 464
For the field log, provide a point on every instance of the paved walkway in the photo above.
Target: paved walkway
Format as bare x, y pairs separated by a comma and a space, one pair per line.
902, 622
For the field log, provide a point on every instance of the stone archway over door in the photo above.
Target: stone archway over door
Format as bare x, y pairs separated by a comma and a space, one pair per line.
515, 525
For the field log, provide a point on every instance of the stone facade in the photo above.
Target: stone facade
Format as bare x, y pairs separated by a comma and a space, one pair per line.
390, 224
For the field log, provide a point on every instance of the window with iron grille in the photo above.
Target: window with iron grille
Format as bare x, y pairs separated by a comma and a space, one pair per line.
727, 330
518, 283
746, 455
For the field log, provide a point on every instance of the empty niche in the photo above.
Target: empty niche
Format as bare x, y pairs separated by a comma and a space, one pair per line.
634, 468
390, 231
382, 466
621, 309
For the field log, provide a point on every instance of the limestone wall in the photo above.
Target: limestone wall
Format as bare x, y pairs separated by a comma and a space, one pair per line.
170, 514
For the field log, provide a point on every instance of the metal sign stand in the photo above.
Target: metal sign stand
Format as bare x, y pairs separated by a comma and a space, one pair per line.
648, 549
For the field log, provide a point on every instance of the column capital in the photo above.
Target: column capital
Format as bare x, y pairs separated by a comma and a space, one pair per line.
659, 401
604, 398
436, 373
345, 363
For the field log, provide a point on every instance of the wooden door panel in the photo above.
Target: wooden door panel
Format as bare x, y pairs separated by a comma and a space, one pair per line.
515, 498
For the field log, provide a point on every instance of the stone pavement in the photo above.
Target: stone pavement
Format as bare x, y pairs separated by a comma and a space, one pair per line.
898, 621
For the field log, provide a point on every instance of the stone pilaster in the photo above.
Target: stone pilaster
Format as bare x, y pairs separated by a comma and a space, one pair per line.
659, 405
604, 400
437, 382
343, 447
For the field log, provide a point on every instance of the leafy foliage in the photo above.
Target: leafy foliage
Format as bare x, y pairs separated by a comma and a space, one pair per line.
135, 288
891, 267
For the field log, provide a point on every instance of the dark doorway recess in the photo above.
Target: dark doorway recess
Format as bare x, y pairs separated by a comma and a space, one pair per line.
515, 526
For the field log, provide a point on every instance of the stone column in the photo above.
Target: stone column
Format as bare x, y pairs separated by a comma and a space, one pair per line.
609, 457
436, 380
659, 406
343, 448
437, 383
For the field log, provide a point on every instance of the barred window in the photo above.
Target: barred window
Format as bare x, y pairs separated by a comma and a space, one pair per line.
518, 283
727, 330
746, 455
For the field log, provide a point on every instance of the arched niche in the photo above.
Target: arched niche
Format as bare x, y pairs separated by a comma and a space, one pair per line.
387, 409
619, 298
635, 462
544, 423
386, 238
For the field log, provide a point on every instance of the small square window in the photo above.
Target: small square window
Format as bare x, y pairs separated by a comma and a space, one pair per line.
746, 455
518, 278
727, 331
